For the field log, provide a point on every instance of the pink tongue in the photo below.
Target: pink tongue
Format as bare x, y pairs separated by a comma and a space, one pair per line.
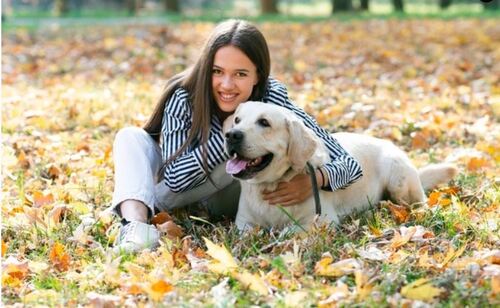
235, 166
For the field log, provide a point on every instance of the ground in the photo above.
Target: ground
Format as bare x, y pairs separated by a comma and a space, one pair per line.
430, 86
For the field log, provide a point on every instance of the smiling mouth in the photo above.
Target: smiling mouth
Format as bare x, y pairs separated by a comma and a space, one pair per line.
227, 97
246, 168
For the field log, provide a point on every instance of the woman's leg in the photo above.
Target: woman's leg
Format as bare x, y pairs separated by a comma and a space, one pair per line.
137, 159
221, 198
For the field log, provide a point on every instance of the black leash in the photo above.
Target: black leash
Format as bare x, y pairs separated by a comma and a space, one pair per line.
317, 202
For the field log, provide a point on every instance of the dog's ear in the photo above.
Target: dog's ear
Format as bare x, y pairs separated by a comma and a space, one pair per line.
301, 144
228, 124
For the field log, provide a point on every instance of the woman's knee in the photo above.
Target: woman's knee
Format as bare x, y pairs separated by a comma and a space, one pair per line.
129, 135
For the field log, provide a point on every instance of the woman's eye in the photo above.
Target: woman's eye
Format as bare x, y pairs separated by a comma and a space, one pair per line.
241, 74
236, 120
216, 71
263, 123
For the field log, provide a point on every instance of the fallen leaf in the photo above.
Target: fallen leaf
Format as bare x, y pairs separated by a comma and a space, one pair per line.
224, 260
103, 300
400, 213
161, 218
40, 199
420, 289
158, 289
401, 239
325, 267
170, 229
477, 163
251, 281
59, 258
363, 287
4, 248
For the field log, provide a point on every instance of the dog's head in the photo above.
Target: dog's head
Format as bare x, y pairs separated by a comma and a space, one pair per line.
264, 141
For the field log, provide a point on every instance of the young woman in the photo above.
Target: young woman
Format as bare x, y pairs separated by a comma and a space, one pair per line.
183, 138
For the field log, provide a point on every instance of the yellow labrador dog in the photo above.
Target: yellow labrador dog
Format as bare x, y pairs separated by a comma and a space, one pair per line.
269, 144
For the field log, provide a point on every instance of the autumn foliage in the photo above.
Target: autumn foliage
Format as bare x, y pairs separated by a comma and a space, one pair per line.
430, 86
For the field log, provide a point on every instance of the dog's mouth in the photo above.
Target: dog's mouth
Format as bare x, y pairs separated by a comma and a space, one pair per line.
245, 168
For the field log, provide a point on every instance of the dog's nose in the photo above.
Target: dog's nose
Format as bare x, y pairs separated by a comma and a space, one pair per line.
234, 136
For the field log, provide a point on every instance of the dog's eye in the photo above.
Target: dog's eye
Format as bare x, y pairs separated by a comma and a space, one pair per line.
263, 123
236, 120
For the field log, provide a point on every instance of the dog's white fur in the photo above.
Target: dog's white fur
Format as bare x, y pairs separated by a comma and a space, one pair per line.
386, 169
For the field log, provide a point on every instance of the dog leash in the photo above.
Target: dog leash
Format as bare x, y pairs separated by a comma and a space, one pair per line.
317, 202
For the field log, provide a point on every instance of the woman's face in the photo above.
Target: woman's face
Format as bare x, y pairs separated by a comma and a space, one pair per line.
233, 78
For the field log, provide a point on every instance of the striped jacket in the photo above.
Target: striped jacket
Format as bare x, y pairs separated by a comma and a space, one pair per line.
186, 171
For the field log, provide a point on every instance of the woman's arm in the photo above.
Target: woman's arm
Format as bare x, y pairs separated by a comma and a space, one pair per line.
343, 169
186, 171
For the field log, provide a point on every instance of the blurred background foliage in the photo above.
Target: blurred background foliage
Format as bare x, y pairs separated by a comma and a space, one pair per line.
12, 9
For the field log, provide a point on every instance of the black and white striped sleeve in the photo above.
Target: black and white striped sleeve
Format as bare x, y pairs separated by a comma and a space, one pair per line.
186, 171
343, 169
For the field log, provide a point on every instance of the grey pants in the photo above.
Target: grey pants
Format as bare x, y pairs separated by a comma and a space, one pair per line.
137, 160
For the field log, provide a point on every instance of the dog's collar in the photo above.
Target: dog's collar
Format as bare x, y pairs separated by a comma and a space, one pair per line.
317, 202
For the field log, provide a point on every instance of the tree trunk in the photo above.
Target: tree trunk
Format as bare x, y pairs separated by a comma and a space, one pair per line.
341, 6
61, 7
365, 5
269, 6
172, 6
444, 4
133, 6
398, 5
492, 5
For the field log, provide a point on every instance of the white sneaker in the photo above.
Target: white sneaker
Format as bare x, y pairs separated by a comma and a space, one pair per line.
135, 236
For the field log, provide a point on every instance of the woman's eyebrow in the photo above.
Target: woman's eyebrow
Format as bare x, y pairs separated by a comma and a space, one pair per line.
238, 69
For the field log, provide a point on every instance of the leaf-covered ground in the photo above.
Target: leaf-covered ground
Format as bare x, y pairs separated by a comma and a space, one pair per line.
430, 86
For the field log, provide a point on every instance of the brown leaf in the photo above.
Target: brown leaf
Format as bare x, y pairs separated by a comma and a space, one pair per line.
171, 229
40, 199
399, 212
160, 218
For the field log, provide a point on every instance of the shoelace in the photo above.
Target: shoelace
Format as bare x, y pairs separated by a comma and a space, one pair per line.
125, 233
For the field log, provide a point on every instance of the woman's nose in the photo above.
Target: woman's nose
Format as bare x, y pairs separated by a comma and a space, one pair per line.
227, 82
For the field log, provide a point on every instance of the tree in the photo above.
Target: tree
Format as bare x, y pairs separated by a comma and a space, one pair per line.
365, 5
133, 6
341, 6
269, 6
444, 4
398, 5
172, 6
61, 7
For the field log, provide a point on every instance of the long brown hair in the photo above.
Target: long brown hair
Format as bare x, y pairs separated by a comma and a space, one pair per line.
197, 81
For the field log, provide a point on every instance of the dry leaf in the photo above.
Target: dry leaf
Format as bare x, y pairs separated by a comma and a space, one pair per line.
4, 248
158, 289
421, 290
399, 212
401, 239
477, 163
224, 261
40, 199
59, 258
103, 300
324, 267
251, 281
170, 229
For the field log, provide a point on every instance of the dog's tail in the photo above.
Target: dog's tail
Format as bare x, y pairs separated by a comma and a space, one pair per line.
432, 175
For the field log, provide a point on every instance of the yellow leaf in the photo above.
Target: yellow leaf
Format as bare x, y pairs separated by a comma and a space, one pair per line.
452, 254
434, 198
159, 288
251, 281
40, 199
363, 288
476, 163
225, 261
4, 248
419, 141
324, 267
398, 240
59, 258
495, 285
420, 290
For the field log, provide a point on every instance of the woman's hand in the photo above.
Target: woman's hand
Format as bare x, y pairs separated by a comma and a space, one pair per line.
293, 192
